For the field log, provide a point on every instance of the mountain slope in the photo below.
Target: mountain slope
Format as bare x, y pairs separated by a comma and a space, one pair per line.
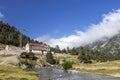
11, 35
111, 45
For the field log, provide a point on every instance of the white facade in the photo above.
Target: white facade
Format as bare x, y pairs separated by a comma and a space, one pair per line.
36, 51
37, 48
27, 48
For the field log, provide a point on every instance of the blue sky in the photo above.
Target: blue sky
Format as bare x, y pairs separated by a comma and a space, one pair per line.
56, 18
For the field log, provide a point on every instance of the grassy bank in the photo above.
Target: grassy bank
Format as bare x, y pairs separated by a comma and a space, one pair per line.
104, 71
15, 73
112, 67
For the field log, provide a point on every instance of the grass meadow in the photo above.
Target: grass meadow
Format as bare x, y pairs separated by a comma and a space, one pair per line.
16, 73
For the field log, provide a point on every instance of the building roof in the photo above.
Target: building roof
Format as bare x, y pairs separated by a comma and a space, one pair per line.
37, 46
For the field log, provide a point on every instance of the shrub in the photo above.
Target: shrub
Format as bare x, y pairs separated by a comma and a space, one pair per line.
23, 55
85, 58
47, 79
67, 65
30, 55
23, 79
50, 58
28, 59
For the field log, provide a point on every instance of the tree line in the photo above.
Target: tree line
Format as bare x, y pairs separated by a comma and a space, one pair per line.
88, 55
10, 35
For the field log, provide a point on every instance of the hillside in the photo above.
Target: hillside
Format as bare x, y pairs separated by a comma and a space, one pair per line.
11, 35
108, 46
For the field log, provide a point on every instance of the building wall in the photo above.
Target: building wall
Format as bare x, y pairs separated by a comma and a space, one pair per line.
37, 51
27, 48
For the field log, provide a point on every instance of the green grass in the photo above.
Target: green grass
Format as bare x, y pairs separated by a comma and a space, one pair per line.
15, 73
103, 71
112, 67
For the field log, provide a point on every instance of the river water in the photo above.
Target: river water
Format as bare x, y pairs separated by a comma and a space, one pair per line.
54, 73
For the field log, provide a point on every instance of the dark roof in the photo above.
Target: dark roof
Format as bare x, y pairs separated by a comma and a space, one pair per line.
36, 46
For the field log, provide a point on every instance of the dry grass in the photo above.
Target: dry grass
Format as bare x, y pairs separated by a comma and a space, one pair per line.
112, 67
15, 73
9, 60
106, 65
8, 72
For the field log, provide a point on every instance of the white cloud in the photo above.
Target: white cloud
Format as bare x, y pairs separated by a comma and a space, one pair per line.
1, 15
108, 27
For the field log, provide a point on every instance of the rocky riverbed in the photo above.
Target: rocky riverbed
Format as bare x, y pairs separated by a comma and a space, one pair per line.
54, 73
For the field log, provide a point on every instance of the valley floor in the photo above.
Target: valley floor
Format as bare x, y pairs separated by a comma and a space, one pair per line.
16, 73
109, 68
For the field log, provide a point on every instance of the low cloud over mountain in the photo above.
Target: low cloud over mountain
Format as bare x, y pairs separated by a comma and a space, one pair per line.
108, 27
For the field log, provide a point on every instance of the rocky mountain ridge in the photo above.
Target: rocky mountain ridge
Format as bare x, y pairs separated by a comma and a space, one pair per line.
107, 45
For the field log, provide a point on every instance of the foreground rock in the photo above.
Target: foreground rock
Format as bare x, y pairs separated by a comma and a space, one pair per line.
54, 73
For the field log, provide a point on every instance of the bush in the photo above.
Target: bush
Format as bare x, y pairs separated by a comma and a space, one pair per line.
23, 55
67, 65
85, 58
23, 79
47, 79
28, 59
50, 58
26, 55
